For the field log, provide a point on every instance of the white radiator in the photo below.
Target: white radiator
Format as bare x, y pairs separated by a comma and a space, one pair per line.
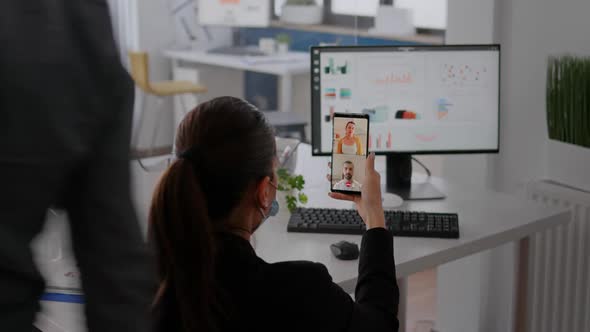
559, 264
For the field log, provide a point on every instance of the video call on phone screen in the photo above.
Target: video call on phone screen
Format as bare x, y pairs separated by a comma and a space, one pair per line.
349, 153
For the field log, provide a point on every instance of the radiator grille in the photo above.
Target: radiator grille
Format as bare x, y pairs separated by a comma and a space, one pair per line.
559, 264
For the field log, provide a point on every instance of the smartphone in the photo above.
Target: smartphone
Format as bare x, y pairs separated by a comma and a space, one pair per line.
350, 135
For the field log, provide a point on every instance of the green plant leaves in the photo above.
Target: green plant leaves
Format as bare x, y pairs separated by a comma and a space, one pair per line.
293, 185
301, 2
291, 203
568, 99
303, 198
283, 38
283, 173
297, 182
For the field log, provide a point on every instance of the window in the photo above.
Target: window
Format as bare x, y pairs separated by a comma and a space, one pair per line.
355, 7
428, 14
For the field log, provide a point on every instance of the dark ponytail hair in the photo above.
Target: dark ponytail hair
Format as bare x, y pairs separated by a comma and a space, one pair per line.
225, 145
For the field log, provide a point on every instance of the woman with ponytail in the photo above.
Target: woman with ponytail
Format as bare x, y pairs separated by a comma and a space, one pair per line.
209, 202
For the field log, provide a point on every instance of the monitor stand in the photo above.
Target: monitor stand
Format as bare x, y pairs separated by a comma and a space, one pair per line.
399, 179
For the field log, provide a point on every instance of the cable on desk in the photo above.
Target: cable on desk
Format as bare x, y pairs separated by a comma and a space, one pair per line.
423, 166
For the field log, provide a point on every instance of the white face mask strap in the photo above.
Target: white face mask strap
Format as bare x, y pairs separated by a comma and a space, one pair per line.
264, 216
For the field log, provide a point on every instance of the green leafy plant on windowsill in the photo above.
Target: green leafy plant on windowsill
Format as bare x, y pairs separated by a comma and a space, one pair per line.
292, 185
568, 99
283, 38
300, 3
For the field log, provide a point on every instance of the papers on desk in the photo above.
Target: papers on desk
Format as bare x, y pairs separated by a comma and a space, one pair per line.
276, 58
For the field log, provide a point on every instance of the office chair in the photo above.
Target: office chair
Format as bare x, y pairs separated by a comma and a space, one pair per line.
139, 67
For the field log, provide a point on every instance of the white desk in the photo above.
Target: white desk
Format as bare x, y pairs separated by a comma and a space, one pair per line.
282, 65
487, 219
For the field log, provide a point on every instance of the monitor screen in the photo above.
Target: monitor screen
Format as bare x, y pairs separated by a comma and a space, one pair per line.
420, 99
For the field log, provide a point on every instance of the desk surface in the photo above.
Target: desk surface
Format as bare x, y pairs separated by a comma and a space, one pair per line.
487, 219
290, 63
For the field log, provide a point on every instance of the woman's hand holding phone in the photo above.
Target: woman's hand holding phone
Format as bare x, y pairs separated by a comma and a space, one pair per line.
369, 204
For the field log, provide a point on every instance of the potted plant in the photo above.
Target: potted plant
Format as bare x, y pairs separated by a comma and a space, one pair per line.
283, 40
568, 120
290, 183
302, 12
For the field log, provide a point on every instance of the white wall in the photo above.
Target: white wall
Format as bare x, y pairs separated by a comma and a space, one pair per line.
469, 22
528, 31
462, 286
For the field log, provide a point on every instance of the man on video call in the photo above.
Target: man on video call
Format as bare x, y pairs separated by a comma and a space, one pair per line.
347, 182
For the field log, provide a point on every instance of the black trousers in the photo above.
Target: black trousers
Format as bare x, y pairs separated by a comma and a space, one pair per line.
65, 117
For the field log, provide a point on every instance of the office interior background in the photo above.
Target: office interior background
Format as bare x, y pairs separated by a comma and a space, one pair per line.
474, 293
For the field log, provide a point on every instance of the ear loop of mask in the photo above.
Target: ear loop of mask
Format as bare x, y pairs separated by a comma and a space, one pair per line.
274, 207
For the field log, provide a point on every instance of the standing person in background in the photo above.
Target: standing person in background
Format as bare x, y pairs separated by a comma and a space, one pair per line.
66, 104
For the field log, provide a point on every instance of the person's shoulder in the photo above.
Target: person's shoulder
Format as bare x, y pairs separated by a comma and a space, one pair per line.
359, 142
340, 185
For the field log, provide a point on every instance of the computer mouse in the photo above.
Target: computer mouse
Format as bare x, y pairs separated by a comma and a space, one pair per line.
391, 200
345, 250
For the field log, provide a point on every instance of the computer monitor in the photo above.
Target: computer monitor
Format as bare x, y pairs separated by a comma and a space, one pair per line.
420, 100
237, 13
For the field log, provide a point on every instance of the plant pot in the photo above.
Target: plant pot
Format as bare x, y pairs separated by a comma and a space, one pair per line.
568, 164
282, 48
302, 14
287, 152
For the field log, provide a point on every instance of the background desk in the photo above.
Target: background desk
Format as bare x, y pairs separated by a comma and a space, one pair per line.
487, 219
283, 65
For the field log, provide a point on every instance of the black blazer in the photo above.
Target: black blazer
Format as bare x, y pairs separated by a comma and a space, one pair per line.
300, 296
66, 106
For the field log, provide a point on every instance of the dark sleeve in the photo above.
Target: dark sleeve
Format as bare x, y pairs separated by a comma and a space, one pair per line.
117, 273
118, 277
321, 305
377, 293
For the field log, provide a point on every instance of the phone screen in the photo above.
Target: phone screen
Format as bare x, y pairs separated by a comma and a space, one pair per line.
350, 135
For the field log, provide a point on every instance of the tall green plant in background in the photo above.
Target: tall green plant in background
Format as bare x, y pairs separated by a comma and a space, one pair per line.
568, 99
300, 2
